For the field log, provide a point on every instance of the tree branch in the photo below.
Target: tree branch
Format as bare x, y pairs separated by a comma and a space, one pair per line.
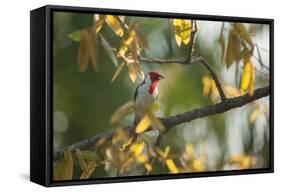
170, 122
199, 59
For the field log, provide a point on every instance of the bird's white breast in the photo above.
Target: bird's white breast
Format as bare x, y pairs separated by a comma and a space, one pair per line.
144, 99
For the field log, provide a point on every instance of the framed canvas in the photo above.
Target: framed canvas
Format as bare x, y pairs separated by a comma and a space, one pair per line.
125, 95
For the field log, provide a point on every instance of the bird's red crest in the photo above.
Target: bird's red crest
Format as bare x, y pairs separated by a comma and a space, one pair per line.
155, 76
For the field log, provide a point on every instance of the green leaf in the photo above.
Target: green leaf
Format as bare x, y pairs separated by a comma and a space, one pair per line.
75, 36
81, 161
91, 167
91, 156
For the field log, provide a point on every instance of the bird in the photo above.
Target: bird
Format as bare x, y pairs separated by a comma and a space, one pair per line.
146, 94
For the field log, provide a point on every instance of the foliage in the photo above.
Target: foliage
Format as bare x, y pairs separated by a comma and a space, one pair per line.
127, 151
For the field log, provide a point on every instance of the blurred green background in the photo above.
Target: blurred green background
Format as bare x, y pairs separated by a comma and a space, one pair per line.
84, 101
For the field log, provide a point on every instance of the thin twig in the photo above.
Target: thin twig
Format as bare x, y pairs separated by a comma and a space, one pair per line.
199, 59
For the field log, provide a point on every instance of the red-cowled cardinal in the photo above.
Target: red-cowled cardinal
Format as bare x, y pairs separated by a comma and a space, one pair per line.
146, 94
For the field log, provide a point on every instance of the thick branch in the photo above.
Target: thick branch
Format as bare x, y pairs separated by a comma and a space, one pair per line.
170, 122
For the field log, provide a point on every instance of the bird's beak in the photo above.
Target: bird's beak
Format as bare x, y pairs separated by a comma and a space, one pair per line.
161, 77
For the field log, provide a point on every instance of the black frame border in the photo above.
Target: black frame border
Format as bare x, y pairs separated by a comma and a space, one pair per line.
49, 95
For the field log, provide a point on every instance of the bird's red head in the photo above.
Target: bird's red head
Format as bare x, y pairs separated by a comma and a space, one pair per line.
155, 76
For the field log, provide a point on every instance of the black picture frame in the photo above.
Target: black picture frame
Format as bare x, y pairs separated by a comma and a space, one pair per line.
41, 104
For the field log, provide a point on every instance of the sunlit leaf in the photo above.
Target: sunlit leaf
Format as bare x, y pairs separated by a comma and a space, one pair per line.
132, 72
197, 165
172, 166
254, 114
189, 150
122, 111
98, 22
116, 157
100, 142
143, 125
243, 161
114, 24
90, 167
156, 122
68, 165
81, 161
231, 91
117, 71
182, 30
128, 39
75, 36
247, 78
240, 28
164, 154
137, 148
142, 158
148, 167
206, 85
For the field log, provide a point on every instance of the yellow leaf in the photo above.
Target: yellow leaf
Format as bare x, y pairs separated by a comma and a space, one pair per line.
68, 165
240, 28
114, 24
137, 148
143, 124
243, 161
117, 71
254, 114
91, 167
247, 78
132, 72
122, 111
206, 85
197, 165
164, 154
100, 142
98, 22
127, 41
156, 122
148, 166
142, 158
189, 149
171, 166
81, 161
231, 91
182, 29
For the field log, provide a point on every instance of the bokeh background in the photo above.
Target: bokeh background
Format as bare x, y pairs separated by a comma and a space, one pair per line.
85, 101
